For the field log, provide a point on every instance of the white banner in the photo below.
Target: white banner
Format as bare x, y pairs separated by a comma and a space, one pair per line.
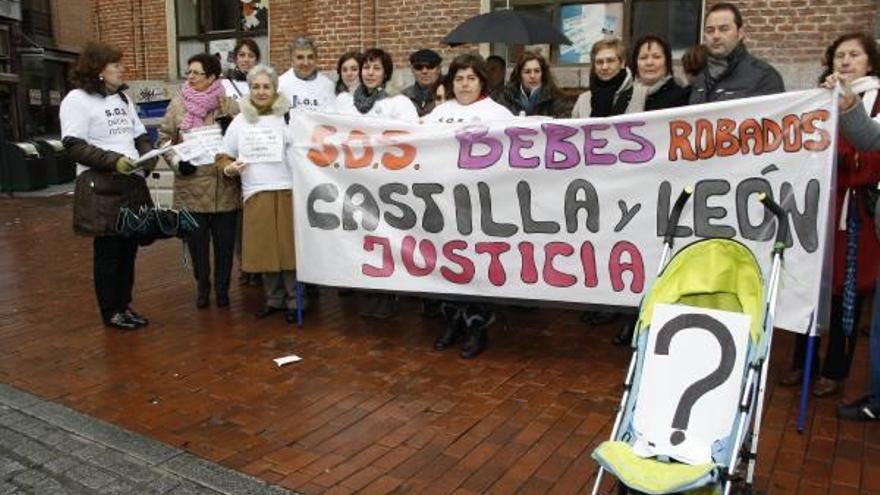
561, 210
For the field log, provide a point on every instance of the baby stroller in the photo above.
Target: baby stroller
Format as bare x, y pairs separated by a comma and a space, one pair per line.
717, 274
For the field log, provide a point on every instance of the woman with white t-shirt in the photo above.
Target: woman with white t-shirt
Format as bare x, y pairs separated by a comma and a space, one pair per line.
371, 99
267, 227
470, 103
247, 55
102, 133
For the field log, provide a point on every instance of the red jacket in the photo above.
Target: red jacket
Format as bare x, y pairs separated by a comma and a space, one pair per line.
856, 169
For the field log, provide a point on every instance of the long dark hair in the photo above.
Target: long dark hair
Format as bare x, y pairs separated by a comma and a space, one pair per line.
468, 61
647, 40
868, 44
547, 79
352, 55
86, 73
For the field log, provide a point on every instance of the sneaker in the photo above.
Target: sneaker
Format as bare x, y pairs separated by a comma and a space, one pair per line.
860, 410
140, 320
121, 322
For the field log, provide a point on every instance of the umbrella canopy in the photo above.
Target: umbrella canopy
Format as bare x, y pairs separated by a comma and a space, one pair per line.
507, 26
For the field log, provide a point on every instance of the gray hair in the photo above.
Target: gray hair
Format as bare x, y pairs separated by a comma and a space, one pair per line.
263, 69
303, 43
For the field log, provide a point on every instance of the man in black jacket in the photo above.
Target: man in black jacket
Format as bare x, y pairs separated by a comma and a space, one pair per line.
731, 72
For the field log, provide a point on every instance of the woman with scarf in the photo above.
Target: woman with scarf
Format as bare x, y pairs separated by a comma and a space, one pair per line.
855, 58
266, 187
655, 87
371, 99
247, 55
200, 186
610, 82
532, 90
469, 103
347, 69
102, 133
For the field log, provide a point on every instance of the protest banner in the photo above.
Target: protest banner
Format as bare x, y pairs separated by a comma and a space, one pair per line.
561, 210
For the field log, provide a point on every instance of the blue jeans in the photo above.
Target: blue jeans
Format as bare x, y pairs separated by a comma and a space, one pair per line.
874, 356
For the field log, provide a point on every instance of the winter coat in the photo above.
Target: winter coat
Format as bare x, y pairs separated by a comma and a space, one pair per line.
670, 95
206, 190
583, 107
100, 191
855, 171
548, 104
745, 76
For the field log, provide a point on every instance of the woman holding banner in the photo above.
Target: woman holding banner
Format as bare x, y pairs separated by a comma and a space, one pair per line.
470, 103
610, 82
854, 58
199, 185
102, 133
655, 87
532, 90
266, 184
371, 99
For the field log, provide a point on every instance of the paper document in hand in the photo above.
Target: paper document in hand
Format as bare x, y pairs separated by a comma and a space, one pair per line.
207, 139
151, 154
261, 145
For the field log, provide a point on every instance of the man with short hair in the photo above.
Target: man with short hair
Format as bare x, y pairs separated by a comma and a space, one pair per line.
731, 72
425, 65
496, 69
306, 87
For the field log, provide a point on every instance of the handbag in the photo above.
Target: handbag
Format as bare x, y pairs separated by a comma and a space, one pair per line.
98, 197
148, 223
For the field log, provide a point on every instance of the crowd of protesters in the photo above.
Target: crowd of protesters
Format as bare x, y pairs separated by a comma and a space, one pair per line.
250, 204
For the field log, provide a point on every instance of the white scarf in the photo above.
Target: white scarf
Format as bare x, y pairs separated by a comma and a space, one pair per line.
642, 92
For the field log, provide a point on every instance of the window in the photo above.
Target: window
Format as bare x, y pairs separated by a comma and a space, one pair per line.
37, 19
5, 55
585, 22
214, 26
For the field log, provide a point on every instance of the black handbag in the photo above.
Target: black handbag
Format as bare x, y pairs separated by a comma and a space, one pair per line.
149, 223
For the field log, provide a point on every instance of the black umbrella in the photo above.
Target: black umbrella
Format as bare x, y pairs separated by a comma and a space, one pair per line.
507, 26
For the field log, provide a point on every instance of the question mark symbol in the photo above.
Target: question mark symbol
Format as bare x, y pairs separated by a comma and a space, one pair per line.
703, 386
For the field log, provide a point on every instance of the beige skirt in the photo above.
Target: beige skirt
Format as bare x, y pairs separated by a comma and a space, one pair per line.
267, 233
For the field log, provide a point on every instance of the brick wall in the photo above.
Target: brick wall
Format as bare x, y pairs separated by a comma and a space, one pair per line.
791, 31
72, 23
398, 26
138, 27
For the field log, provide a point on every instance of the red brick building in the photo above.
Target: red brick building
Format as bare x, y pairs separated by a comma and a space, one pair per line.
158, 34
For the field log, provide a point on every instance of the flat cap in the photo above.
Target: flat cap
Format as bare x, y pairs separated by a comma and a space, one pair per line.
425, 56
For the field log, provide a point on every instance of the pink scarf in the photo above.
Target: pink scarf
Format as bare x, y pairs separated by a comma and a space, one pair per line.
199, 104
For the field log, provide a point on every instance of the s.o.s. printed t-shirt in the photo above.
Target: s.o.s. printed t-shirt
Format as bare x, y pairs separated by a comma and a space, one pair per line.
110, 123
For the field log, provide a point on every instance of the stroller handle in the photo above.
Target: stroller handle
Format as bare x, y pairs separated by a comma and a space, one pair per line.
782, 220
676, 214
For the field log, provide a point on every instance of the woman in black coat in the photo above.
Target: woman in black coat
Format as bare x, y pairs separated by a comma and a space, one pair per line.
655, 87
533, 91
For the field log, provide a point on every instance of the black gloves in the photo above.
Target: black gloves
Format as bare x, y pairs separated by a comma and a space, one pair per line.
224, 121
185, 168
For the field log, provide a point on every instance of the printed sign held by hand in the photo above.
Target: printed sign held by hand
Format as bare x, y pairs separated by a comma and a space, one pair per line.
262, 145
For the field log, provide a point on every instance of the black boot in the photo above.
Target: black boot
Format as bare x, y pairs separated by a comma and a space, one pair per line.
475, 343
454, 326
625, 335
203, 296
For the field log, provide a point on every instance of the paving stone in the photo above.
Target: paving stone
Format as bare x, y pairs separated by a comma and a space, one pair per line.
35, 452
119, 487
108, 434
127, 468
214, 476
16, 399
89, 476
161, 485
61, 464
7, 488
29, 478
9, 466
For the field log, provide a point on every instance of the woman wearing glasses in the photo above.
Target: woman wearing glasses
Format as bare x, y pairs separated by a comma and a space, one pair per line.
199, 185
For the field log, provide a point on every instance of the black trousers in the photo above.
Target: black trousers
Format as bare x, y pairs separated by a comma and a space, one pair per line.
217, 229
839, 355
113, 271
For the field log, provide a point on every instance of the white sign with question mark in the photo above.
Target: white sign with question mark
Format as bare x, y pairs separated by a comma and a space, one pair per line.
691, 380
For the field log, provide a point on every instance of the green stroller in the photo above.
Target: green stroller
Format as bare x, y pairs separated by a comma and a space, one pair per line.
715, 274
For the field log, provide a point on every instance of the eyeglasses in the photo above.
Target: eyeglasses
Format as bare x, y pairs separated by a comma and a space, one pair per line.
423, 66
194, 73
